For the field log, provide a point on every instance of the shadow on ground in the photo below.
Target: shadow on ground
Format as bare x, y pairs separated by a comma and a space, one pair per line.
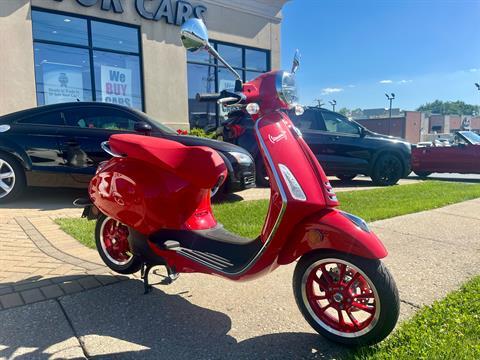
119, 322
46, 199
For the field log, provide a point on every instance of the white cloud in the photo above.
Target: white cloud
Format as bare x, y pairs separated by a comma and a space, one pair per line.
385, 81
405, 81
351, 86
474, 70
328, 91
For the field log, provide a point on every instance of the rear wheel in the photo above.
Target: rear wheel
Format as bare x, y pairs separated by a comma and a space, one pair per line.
346, 298
12, 178
346, 177
111, 238
387, 171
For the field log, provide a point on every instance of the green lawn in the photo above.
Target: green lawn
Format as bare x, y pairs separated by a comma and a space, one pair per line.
448, 329
246, 218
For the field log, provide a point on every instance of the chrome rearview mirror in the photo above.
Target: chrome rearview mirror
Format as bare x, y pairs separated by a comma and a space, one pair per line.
194, 35
296, 61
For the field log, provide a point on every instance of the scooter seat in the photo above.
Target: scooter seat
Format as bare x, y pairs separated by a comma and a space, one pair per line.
199, 165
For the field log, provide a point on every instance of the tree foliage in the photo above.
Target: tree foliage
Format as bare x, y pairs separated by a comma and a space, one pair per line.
450, 108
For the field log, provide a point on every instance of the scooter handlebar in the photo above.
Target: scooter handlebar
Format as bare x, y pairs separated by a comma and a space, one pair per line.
205, 97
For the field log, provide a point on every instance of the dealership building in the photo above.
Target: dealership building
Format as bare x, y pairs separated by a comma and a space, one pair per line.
129, 52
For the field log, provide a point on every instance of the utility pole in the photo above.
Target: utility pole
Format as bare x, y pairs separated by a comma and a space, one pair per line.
319, 102
390, 98
333, 103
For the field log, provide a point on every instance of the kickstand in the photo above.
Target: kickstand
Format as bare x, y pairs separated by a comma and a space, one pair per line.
144, 275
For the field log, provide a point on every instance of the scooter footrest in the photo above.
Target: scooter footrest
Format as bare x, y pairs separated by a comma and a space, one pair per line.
171, 245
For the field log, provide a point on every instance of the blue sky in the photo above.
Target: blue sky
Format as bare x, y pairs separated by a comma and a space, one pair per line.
354, 51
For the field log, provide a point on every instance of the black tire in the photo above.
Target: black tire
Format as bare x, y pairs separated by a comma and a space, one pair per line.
422, 174
16, 183
132, 266
382, 281
261, 173
346, 177
388, 169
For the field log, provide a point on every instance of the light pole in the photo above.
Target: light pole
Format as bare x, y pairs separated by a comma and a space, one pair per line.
319, 102
390, 98
478, 86
333, 103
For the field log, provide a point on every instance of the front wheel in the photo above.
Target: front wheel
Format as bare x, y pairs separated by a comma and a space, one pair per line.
346, 298
387, 171
111, 238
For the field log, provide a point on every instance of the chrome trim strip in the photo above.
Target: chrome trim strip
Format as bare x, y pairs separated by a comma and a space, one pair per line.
105, 147
277, 222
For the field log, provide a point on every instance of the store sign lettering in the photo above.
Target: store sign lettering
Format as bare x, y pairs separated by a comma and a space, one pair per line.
154, 10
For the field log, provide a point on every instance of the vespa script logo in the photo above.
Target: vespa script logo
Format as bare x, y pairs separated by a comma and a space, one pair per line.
279, 137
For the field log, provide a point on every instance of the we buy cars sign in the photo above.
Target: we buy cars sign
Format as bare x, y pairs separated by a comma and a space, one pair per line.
116, 85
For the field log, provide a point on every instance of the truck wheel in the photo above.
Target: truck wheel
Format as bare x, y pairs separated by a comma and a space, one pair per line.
111, 238
12, 178
387, 171
348, 299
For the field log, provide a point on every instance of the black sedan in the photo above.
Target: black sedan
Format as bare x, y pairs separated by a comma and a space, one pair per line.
343, 147
59, 146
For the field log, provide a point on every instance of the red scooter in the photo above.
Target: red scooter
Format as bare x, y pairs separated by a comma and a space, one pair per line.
152, 205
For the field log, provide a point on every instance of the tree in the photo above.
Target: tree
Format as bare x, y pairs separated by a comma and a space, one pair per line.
344, 111
449, 108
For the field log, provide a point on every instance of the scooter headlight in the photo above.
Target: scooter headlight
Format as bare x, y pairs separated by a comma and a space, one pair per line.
287, 88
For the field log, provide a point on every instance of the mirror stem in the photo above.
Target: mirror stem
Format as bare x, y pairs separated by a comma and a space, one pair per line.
216, 55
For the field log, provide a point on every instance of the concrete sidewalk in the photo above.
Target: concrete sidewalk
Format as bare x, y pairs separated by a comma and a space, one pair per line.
198, 316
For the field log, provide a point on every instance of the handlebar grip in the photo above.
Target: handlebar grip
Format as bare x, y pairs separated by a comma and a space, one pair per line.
208, 97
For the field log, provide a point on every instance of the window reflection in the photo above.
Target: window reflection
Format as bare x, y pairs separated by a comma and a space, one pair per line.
250, 63
201, 79
59, 28
114, 37
62, 74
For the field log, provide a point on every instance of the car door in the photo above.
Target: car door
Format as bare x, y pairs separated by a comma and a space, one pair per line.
38, 134
87, 128
311, 124
349, 150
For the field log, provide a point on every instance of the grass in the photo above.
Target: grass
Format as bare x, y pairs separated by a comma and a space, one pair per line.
246, 218
448, 329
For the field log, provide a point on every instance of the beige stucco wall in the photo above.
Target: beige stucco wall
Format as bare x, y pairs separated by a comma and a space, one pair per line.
17, 79
248, 22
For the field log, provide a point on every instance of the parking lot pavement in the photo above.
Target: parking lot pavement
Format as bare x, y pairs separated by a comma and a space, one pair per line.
199, 316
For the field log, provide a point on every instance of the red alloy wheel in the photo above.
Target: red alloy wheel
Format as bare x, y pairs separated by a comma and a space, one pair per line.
114, 241
340, 297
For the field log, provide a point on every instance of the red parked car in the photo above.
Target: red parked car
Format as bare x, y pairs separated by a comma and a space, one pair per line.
462, 156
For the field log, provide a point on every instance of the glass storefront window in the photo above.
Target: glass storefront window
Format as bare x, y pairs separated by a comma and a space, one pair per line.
256, 60
232, 54
117, 79
59, 28
249, 63
62, 74
114, 37
201, 79
105, 67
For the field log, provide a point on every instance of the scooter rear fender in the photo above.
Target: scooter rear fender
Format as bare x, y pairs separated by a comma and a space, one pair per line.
332, 229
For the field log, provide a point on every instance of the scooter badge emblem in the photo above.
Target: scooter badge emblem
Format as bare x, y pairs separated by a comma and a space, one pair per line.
279, 137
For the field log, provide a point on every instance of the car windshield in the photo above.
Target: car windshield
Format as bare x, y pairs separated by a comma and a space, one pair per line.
471, 136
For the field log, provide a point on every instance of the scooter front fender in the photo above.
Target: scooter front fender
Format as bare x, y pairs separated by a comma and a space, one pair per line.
332, 229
